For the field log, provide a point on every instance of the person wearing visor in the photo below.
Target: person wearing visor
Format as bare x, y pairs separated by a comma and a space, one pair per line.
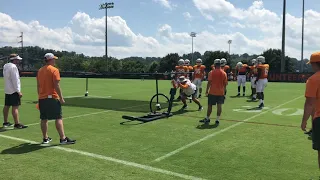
12, 89
188, 89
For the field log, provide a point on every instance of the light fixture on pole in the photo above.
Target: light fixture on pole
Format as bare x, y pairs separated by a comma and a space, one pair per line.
192, 34
229, 42
106, 6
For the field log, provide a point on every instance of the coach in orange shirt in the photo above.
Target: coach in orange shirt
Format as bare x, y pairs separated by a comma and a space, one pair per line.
50, 99
217, 82
312, 103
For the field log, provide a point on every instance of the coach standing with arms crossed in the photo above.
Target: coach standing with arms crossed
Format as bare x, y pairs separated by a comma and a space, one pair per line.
312, 103
12, 89
50, 99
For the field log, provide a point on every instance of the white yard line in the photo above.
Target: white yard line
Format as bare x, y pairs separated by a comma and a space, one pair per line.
219, 132
89, 114
106, 158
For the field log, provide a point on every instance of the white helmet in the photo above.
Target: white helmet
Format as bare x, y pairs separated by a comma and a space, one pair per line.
187, 62
261, 59
239, 64
181, 62
223, 62
254, 61
199, 61
217, 61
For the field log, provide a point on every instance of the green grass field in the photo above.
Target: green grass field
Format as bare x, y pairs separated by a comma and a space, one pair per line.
247, 145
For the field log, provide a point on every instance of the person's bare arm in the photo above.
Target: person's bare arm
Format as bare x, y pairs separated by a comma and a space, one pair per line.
38, 86
58, 89
308, 111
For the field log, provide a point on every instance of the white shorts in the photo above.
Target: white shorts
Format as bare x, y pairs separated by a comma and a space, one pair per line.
241, 80
261, 84
197, 82
253, 80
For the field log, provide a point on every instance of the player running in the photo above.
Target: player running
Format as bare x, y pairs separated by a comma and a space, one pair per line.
262, 79
241, 70
188, 89
198, 76
253, 77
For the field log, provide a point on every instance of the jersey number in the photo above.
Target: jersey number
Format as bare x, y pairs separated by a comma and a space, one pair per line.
266, 72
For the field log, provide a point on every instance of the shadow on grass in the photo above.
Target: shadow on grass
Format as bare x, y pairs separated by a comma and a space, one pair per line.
23, 148
207, 126
111, 104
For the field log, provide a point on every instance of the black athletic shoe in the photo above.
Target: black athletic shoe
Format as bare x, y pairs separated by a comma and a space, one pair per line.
184, 107
261, 106
7, 124
217, 122
205, 121
20, 126
67, 141
244, 95
199, 95
200, 108
46, 141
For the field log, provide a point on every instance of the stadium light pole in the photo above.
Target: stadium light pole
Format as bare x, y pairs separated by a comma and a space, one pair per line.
106, 6
283, 37
229, 42
192, 34
302, 38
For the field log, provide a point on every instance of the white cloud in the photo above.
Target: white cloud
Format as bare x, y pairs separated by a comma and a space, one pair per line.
187, 16
165, 3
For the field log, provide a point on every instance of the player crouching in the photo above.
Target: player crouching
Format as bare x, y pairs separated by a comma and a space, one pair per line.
188, 89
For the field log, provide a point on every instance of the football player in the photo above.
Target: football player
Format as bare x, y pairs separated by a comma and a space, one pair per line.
181, 70
253, 77
225, 68
190, 68
241, 78
188, 89
198, 76
262, 79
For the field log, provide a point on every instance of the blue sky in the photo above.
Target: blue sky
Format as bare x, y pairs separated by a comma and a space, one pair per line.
146, 17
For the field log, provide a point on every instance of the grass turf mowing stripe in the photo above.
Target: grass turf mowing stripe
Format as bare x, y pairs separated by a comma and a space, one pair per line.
218, 132
83, 115
97, 156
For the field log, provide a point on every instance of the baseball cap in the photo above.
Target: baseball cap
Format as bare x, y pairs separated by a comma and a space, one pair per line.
14, 57
315, 57
50, 56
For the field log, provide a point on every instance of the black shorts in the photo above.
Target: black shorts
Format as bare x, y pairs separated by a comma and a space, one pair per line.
192, 95
12, 99
316, 134
50, 109
213, 99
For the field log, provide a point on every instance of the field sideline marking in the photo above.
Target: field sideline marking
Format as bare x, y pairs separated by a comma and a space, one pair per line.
218, 132
106, 158
83, 115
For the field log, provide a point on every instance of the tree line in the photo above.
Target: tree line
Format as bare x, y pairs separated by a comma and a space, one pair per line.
71, 61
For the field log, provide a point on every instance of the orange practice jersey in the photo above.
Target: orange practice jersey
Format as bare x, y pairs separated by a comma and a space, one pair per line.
242, 70
181, 70
264, 68
253, 70
226, 68
199, 71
